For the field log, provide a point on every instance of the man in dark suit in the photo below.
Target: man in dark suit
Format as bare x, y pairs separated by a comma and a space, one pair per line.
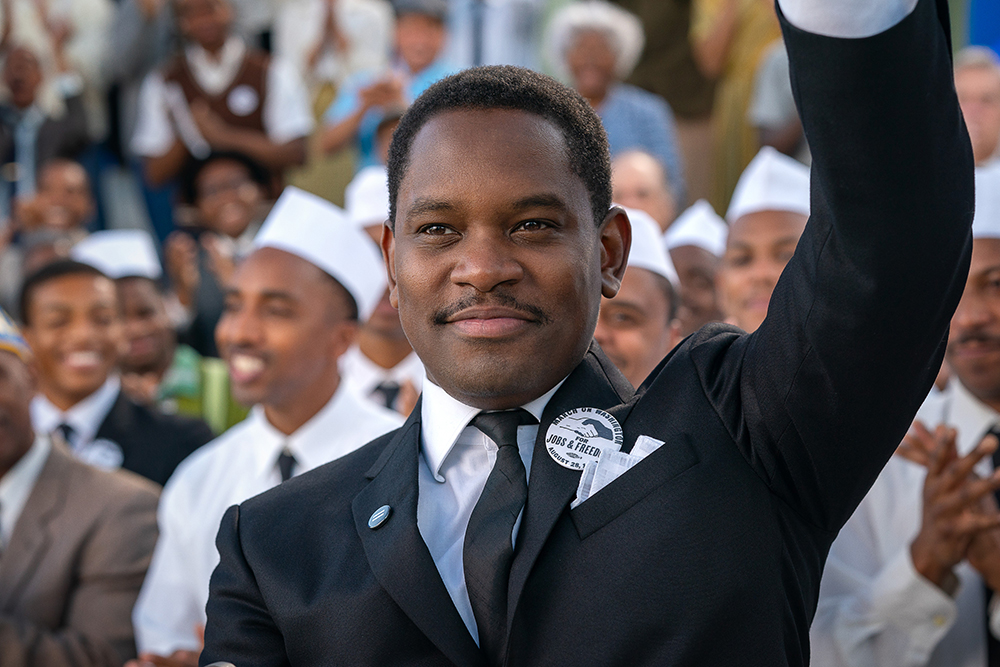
72, 321
76, 541
708, 551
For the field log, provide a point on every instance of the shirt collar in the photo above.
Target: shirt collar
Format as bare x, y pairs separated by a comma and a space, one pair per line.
365, 374
17, 484
85, 417
326, 436
215, 75
443, 418
970, 416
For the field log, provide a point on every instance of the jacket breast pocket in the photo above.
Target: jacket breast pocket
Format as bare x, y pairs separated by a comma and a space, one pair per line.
667, 462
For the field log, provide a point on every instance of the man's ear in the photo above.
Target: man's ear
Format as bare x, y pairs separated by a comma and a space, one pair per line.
342, 337
616, 240
388, 245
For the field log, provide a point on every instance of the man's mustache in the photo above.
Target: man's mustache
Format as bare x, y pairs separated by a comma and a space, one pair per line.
497, 299
976, 337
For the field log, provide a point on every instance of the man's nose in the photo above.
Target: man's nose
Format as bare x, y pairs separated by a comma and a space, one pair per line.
240, 328
973, 311
487, 259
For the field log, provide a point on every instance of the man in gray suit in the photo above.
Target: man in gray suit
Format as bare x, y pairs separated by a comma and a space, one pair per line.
75, 541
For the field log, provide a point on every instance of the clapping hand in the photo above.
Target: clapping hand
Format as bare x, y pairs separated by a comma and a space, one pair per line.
955, 501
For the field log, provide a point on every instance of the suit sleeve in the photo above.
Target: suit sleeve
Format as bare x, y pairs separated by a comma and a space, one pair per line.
98, 628
240, 629
856, 327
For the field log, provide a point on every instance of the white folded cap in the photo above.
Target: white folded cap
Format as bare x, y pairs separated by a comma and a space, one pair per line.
120, 253
647, 247
317, 231
986, 224
771, 182
699, 226
367, 197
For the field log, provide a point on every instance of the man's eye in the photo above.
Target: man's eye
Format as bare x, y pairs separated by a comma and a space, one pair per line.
738, 260
435, 230
531, 226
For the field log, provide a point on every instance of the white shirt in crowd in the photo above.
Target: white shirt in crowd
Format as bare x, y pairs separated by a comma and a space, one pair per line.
874, 608
363, 375
85, 419
163, 110
17, 484
237, 465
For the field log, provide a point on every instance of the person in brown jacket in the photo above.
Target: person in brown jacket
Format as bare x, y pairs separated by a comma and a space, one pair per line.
219, 94
75, 541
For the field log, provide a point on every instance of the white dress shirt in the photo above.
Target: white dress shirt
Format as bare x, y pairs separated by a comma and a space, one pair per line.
363, 375
456, 459
874, 608
287, 111
85, 418
17, 484
846, 18
237, 465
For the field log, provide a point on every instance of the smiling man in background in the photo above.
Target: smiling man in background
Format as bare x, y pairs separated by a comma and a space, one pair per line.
292, 310
638, 327
767, 216
73, 323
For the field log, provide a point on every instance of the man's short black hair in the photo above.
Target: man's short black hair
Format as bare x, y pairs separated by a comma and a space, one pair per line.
57, 269
508, 87
193, 169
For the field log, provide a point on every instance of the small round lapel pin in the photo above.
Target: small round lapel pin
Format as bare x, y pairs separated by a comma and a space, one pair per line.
379, 516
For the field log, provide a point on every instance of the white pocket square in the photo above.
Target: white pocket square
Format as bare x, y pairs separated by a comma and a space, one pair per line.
611, 465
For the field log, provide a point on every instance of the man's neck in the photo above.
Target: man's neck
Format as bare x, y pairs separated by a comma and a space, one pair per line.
384, 351
64, 401
290, 415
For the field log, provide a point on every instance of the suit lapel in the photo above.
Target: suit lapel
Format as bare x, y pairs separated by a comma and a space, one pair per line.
397, 554
33, 533
595, 383
117, 421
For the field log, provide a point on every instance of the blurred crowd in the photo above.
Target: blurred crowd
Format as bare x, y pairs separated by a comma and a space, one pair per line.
160, 300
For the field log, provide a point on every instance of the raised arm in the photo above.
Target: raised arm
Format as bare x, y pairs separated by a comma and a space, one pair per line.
856, 325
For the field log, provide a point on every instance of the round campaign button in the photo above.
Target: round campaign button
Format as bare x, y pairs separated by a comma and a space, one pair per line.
579, 436
243, 100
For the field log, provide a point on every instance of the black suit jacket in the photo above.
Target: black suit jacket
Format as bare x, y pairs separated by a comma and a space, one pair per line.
709, 551
153, 443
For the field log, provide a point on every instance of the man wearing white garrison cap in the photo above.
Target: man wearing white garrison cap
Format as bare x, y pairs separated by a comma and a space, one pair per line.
766, 217
696, 242
637, 328
292, 310
897, 589
381, 365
